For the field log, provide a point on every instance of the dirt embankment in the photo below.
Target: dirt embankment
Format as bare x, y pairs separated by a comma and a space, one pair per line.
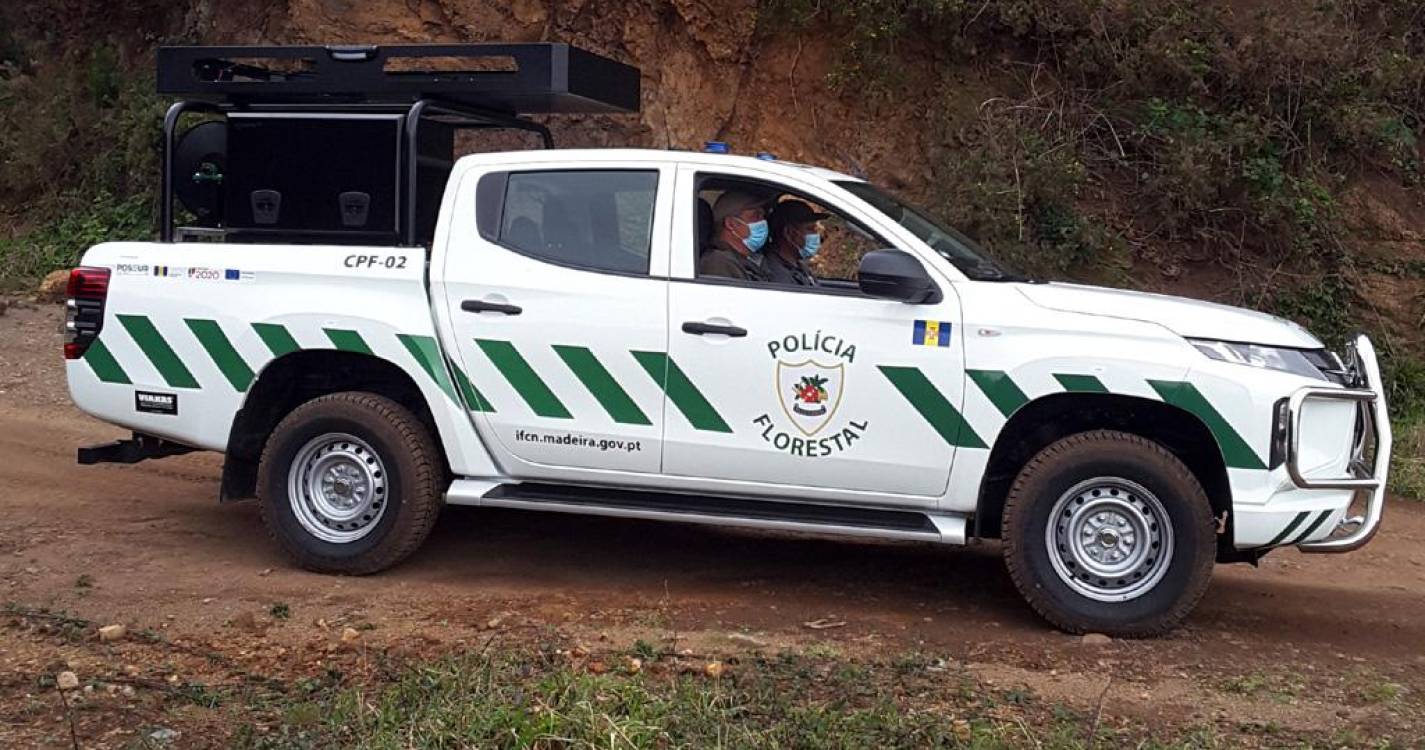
738, 71
1332, 646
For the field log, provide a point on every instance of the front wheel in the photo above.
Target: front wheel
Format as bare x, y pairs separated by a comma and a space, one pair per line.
1109, 532
349, 483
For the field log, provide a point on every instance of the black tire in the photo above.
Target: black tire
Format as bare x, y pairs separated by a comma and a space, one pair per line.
1081, 461
411, 475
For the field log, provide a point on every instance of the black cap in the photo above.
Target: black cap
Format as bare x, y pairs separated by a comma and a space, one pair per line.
790, 212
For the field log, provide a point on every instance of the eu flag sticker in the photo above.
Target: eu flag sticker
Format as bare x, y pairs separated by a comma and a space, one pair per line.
931, 333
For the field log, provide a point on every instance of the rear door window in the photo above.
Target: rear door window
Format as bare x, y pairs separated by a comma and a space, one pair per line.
601, 220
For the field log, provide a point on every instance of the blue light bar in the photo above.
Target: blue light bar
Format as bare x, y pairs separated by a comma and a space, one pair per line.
716, 147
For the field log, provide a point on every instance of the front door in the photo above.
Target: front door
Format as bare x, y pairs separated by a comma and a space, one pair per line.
818, 388
550, 294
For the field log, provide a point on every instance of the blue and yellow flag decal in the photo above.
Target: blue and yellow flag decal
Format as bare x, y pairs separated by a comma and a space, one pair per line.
931, 333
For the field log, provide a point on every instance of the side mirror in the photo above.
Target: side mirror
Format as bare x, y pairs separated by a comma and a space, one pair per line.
895, 274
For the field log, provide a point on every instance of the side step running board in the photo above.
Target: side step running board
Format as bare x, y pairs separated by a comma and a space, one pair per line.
710, 509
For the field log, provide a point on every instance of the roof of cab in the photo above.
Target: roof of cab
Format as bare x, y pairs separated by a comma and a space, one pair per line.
651, 156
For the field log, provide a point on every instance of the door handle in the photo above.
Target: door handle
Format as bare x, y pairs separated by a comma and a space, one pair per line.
479, 305
699, 329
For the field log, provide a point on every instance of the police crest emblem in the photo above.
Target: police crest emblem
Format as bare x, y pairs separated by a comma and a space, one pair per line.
809, 393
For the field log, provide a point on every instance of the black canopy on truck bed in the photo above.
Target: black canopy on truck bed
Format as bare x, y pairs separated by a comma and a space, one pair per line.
513, 79
353, 144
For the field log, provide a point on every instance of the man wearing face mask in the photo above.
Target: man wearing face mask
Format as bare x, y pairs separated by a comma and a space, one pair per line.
796, 237
740, 232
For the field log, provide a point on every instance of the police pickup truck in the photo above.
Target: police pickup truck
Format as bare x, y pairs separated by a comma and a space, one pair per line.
370, 328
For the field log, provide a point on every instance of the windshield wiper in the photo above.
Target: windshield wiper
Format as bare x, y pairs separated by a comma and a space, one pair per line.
991, 272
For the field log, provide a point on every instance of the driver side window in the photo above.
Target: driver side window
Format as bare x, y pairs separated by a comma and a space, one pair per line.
832, 260
843, 243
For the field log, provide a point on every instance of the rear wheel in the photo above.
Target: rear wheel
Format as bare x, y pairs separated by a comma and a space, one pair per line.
1109, 532
348, 483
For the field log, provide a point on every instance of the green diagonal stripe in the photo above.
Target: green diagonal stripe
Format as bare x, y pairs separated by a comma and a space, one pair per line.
681, 391
1295, 522
1000, 389
601, 383
1235, 451
153, 345
277, 338
1080, 383
105, 367
1313, 527
525, 380
927, 399
474, 399
347, 340
427, 355
229, 362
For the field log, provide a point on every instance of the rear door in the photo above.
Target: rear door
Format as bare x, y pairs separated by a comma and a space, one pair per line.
554, 282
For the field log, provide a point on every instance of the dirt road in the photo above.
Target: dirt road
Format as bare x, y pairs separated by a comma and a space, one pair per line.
1325, 644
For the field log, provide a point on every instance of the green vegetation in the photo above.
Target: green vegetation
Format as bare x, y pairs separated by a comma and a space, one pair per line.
1222, 128
1383, 692
1114, 142
1282, 688
1089, 139
542, 700
78, 157
1408, 466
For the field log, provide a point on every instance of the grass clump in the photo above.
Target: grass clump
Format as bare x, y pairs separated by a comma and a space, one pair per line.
76, 226
535, 700
1281, 688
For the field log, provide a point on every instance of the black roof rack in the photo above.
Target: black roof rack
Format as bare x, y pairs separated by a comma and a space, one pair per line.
516, 79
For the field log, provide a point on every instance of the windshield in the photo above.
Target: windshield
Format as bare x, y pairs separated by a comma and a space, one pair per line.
969, 257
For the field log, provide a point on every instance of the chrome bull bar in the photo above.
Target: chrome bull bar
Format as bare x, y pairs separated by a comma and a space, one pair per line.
1369, 393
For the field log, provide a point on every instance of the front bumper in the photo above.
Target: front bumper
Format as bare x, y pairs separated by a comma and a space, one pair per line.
1364, 475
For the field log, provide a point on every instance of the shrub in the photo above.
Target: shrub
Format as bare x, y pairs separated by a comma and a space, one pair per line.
78, 160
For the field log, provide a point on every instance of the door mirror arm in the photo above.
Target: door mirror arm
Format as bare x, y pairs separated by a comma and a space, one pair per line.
896, 274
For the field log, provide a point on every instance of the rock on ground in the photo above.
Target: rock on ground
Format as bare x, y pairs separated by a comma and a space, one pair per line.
52, 287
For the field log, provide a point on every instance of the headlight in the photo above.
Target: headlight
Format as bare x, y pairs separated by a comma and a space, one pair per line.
1255, 355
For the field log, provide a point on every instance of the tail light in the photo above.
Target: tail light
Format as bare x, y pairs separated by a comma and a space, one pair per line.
84, 309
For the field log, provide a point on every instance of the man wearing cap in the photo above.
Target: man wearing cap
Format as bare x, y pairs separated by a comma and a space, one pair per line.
796, 237
740, 231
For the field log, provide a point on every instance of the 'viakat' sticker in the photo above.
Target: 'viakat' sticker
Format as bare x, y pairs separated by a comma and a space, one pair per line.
149, 402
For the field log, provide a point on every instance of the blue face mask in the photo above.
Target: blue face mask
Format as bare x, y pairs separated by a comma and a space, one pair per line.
757, 232
810, 245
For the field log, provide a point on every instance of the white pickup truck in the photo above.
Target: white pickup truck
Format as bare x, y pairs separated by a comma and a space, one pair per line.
540, 338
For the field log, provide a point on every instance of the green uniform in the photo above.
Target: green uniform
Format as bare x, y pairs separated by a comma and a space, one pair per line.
721, 260
781, 271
